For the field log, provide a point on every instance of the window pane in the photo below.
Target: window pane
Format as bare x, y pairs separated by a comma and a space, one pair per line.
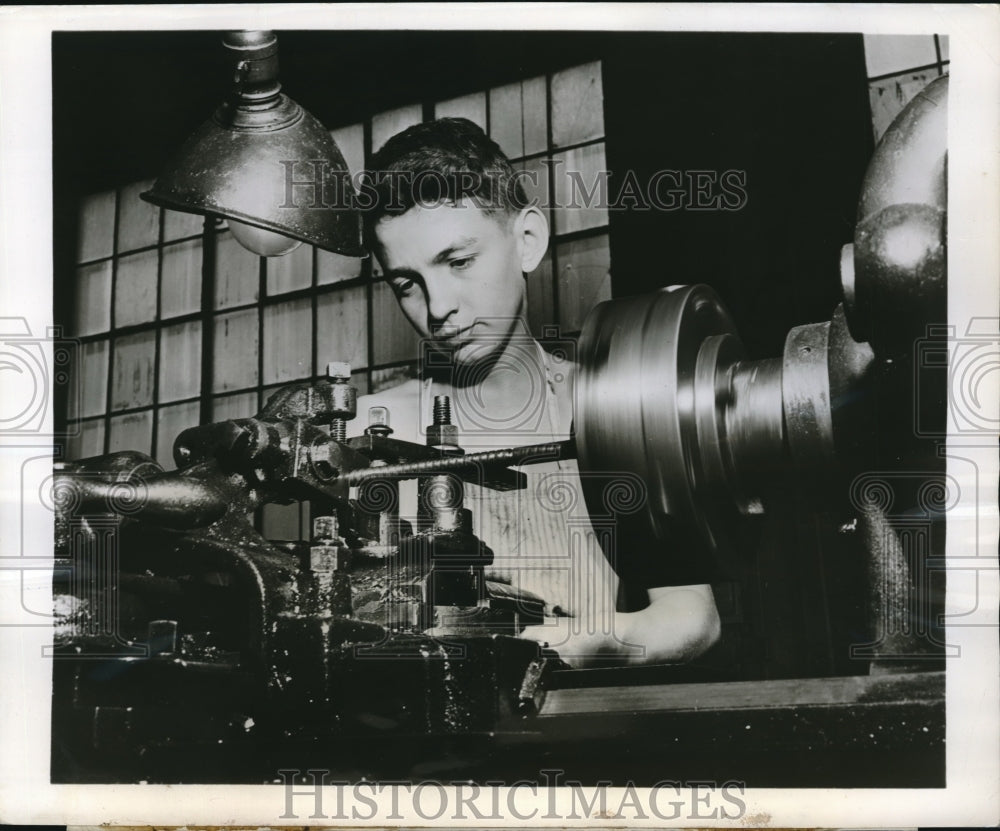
287, 341
178, 224
395, 339
93, 298
386, 125
234, 362
92, 395
171, 422
291, 271
237, 273
135, 289
342, 328
581, 185
584, 279
180, 282
334, 268
132, 432
535, 181
88, 442
180, 361
472, 107
540, 312
577, 104
534, 111
351, 141
96, 227
138, 221
506, 124
132, 385
240, 405
518, 120
383, 379
895, 53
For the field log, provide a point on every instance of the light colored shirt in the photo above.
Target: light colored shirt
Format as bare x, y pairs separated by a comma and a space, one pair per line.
542, 536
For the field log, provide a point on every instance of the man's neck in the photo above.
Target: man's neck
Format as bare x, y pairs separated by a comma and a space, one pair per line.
508, 394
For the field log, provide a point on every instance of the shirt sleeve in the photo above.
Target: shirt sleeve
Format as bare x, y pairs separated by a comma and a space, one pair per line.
642, 553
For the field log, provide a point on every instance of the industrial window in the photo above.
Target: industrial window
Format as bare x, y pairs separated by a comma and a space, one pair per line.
899, 66
181, 325
137, 312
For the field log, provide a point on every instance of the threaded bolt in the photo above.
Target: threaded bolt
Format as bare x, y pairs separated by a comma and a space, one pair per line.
442, 409
338, 430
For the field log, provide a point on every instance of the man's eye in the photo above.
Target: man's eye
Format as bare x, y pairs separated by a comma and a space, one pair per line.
462, 263
403, 286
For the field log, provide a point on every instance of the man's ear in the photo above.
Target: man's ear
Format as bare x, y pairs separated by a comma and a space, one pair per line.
532, 231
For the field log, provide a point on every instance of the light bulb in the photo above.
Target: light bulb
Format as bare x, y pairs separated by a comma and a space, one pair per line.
262, 241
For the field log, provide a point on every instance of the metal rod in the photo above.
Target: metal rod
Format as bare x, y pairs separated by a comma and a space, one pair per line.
546, 452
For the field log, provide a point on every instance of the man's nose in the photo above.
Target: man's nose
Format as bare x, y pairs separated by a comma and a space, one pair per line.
442, 299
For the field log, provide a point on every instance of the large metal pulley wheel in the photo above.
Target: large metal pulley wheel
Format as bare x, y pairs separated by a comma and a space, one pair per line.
649, 411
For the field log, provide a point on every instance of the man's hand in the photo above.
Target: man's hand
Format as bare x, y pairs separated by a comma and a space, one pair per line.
680, 623
578, 647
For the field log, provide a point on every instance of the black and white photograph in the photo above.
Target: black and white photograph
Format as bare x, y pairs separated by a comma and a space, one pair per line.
422, 415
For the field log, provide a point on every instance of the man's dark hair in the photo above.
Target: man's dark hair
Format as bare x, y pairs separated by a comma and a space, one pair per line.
439, 161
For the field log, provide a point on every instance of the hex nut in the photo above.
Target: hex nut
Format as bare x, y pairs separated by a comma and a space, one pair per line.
325, 527
338, 370
442, 435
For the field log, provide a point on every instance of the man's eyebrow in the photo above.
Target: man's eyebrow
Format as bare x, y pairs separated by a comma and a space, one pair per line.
443, 255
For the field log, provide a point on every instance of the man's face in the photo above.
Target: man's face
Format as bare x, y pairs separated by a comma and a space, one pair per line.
457, 273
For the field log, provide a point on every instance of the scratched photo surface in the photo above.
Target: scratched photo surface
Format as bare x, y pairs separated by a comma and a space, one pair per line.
705, 547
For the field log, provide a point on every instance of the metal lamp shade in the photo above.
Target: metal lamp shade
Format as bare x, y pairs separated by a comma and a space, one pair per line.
292, 180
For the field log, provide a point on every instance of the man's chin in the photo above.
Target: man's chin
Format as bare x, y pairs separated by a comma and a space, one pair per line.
469, 355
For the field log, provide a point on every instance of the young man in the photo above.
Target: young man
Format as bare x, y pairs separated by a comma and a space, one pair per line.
455, 237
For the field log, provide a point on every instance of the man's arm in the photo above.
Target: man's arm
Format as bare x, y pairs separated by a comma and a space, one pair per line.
680, 623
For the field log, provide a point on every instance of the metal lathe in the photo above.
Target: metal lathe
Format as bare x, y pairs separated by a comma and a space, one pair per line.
237, 655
